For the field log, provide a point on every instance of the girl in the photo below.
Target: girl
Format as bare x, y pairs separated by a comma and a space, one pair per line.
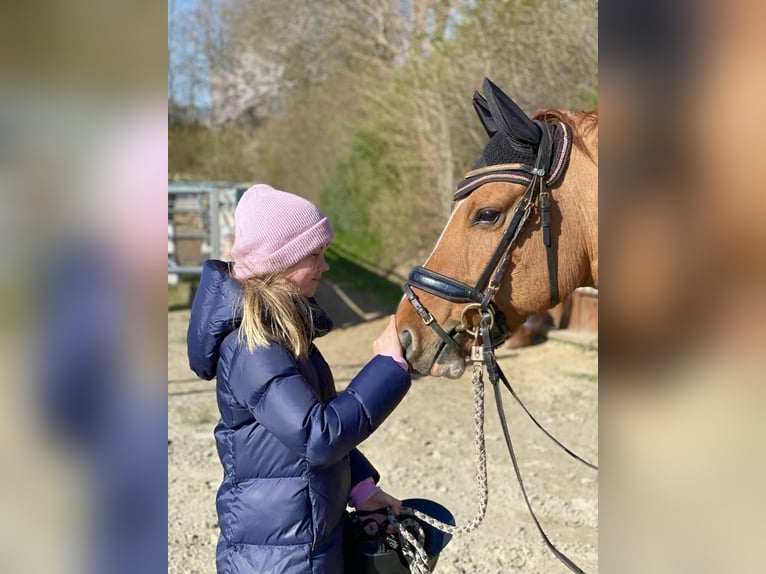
286, 438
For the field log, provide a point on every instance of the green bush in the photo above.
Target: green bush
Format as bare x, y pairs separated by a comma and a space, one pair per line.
199, 153
352, 194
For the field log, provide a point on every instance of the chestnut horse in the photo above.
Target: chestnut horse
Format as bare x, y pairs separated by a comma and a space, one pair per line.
540, 272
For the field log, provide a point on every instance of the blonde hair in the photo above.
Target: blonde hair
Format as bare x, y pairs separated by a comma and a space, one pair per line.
273, 310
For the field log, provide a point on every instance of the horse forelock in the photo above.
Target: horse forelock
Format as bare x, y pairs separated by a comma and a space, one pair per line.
581, 124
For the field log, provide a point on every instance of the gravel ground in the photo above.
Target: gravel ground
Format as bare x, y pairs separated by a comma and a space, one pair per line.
425, 449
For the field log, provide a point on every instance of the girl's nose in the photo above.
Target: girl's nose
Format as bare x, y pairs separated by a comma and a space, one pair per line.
324, 266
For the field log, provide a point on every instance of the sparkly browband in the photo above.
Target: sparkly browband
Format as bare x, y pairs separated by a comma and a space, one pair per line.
520, 173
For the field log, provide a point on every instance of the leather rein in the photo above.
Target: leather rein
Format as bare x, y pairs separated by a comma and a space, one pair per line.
490, 333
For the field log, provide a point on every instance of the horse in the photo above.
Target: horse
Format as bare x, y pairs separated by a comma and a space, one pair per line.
538, 174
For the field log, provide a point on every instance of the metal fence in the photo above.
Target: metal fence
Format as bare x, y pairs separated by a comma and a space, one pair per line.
200, 224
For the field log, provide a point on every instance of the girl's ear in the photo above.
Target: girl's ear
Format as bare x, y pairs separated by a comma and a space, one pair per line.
508, 116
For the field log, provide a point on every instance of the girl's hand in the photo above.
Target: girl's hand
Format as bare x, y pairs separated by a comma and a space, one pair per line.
382, 499
378, 500
388, 341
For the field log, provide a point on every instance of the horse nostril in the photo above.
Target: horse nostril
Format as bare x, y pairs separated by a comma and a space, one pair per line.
405, 338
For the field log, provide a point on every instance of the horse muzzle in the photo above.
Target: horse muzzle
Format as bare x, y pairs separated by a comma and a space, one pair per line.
448, 364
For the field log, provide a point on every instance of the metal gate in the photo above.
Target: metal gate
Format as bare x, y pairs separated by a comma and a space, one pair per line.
200, 224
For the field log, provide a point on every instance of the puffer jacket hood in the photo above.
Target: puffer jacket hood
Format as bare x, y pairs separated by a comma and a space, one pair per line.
217, 311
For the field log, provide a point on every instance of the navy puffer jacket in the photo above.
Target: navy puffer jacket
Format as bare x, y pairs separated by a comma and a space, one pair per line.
286, 439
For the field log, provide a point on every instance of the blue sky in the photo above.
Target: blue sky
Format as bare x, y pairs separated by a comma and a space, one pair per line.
180, 52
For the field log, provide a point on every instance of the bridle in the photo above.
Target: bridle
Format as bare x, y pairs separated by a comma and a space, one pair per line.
490, 332
480, 298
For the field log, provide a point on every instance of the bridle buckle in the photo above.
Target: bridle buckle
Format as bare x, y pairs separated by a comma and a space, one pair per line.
463, 327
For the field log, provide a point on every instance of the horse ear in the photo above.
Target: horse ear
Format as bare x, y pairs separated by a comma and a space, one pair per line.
509, 117
482, 110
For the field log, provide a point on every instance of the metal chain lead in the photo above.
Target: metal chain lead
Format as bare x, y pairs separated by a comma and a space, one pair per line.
419, 562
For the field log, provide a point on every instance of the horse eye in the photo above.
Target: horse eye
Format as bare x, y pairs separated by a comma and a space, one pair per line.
487, 215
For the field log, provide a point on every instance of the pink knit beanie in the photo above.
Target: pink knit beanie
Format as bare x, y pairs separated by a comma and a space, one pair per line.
274, 230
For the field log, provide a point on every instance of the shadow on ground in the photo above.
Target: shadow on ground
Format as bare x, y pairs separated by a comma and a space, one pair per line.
354, 291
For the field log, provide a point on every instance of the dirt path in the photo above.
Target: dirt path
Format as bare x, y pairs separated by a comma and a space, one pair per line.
424, 450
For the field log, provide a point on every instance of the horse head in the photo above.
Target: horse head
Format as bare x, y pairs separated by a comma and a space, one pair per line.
552, 251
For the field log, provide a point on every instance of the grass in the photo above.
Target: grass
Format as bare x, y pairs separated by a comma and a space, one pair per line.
357, 274
179, 295
194, 417
205, 418
589, 377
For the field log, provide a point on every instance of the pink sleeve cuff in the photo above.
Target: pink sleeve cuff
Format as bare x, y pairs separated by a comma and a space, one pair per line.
401, 361
362, 492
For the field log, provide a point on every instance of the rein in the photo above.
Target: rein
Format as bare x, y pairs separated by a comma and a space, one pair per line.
496, 374
489, 333
483, 357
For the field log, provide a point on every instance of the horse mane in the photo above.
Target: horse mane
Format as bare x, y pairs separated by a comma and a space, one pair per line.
581, 124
